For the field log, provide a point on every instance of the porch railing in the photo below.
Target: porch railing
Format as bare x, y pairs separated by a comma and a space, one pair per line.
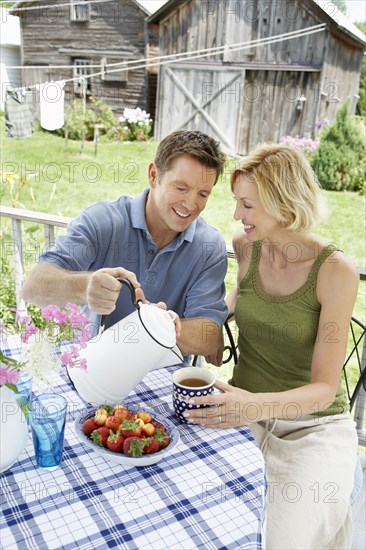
49, 223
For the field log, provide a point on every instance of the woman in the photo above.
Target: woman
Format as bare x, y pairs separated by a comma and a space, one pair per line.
293, 304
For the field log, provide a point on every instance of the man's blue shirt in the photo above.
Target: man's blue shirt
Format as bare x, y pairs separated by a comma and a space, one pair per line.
188, 274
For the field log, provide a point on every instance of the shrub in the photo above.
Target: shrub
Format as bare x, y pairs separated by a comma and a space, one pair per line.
339, 154
7, 292
359, 180
78, 121
133, 125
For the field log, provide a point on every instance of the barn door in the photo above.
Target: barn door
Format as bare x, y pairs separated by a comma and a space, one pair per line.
200, 97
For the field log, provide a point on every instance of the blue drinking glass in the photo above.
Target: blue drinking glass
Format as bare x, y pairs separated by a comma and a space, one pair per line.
24, 386
47, 418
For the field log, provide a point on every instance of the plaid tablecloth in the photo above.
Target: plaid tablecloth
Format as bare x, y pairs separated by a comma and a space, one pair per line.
208, 493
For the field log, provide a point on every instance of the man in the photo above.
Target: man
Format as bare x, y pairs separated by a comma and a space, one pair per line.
156, 240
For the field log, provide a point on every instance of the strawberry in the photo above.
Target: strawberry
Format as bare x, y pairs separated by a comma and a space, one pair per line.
164, 443
89, 426
150, 445
158, 425
130, 428
120, 412
101, 416
115, 442
145, 417
113, 423
100, 436
148, 429
133, 446
162, 438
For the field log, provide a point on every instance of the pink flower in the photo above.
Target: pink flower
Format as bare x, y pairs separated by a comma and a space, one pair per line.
3, 376
66, 358
13, 376
29, 331
73, 308
75, 320
55, 326
9, 376
55, 314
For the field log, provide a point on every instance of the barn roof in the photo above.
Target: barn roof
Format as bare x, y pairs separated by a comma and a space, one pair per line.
342, 20
343, 23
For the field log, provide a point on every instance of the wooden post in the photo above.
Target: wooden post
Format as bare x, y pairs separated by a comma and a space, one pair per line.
49, 236
96, 136
18, 261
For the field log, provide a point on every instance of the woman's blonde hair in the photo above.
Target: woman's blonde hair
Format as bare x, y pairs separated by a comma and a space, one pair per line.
288, 188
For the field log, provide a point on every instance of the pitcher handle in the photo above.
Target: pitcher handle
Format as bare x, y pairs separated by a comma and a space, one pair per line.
135, 302
132, 290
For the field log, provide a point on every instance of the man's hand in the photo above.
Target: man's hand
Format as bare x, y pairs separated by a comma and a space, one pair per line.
103, 289
215, 358
162, 305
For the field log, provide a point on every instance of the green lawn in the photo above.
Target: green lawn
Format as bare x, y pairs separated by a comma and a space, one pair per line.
65, 182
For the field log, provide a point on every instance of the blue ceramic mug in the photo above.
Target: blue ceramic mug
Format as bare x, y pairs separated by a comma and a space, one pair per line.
190, 382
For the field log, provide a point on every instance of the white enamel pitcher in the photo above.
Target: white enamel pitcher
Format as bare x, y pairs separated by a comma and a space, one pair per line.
120, 356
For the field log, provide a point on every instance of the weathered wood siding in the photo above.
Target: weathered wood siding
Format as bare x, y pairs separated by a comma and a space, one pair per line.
340, 77
323, 68
270, 109
191, 98
115, 31
197, 25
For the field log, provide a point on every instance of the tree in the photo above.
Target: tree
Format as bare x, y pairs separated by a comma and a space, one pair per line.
339, 158
341, 5
361, 104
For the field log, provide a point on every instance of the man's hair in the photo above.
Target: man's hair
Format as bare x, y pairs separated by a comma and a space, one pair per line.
287, 186
195, 144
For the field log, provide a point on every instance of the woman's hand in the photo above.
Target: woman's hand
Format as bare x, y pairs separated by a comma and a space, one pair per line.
230, 409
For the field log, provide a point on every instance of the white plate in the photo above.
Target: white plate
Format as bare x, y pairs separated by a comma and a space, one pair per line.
119, 458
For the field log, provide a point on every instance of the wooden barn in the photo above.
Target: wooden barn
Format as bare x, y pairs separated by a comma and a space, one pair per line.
254, 88
69, 41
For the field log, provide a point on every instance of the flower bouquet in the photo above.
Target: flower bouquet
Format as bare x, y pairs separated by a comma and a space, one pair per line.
40, 339
48, 332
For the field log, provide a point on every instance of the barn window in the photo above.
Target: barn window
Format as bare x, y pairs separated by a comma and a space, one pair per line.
115, 75
82, 69
80, 12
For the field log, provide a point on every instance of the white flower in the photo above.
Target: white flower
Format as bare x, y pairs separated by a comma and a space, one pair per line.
40, 361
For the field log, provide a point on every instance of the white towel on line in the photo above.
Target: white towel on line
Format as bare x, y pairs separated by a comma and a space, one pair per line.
52, 101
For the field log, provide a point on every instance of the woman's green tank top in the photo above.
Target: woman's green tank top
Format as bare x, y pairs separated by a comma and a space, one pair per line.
277, 335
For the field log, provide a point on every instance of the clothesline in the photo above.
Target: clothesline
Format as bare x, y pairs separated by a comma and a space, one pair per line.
18, 111
186, 56
50, 6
